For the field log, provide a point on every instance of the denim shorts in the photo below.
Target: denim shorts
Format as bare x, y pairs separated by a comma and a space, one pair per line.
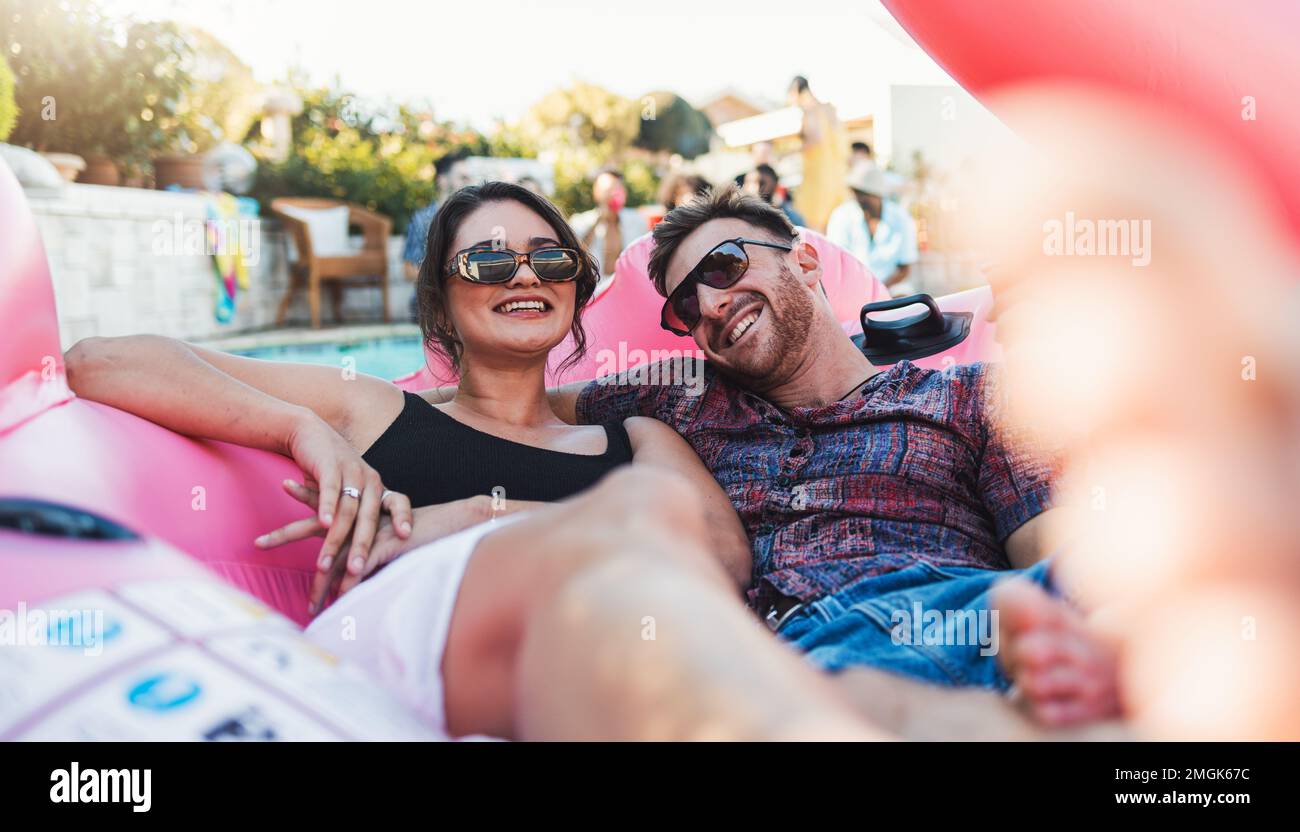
928, 622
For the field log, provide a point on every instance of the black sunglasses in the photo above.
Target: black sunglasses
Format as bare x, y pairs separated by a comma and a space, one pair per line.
721, 268
553, 264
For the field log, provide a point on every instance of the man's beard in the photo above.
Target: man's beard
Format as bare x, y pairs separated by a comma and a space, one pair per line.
767, 366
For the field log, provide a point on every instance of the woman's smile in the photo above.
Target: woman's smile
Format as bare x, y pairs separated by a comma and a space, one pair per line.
524, 306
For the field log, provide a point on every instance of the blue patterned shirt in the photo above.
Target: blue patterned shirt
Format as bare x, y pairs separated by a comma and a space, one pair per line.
912, 469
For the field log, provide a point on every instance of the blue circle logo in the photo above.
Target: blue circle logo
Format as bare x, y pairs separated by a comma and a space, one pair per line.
164, 692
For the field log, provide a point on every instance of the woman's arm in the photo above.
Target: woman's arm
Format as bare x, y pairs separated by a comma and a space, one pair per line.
318, 416
654, 443
215, 395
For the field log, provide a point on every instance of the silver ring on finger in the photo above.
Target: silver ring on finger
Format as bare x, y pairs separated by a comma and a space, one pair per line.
383, 497
354, 493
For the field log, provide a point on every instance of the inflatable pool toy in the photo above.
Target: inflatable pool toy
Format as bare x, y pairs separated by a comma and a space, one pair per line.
1227, 73
207, 499
130, 640
129, 576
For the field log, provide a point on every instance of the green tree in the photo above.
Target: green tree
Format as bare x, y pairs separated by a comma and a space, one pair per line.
580, 129
670, 124
90, 85
8, 109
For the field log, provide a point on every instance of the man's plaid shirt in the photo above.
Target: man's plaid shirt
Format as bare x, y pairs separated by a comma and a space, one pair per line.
911, 469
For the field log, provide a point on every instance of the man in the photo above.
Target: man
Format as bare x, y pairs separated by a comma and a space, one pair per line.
866, 494
859, 153
824, 141
875, 230
607, 229
763, 182
417, 228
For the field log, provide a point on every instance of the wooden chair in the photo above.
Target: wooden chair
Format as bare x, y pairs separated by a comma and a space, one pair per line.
311, 270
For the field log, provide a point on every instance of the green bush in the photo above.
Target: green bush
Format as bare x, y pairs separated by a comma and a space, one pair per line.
582, 129
670, 124
380, 158
8, 107
86, 84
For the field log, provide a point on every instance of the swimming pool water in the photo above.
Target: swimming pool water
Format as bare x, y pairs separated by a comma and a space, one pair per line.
384, 357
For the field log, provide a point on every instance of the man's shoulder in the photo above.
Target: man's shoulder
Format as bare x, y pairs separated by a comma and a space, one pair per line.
671, 386
958, 388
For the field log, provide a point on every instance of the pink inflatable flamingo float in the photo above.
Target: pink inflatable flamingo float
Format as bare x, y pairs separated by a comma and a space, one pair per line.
102, 510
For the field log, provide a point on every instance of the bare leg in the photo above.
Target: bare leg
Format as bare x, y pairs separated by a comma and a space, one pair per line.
653, 654
611, 620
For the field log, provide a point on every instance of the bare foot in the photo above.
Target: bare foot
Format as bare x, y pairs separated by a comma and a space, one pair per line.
1065, 673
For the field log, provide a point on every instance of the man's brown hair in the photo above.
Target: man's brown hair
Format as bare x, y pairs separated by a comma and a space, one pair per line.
719, 203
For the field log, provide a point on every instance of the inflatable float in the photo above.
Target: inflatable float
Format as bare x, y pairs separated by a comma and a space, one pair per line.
1229, 73
150, 533
132, 596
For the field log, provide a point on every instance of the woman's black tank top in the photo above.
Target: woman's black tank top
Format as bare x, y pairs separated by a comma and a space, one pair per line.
432, 458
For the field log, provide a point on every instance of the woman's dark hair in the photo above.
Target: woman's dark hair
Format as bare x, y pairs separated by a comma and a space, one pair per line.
430, 290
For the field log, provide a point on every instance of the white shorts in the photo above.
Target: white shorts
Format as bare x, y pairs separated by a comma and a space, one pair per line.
395, 625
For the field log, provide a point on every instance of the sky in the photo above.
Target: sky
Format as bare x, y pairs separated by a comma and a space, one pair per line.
475, 62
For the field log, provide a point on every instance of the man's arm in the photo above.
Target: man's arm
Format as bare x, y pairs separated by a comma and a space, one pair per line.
643, 390
1015, 476
1031, 543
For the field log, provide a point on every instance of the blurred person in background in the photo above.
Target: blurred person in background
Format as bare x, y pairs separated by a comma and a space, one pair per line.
763, 182
533, 185
860, 152
608, 228
876, 230
676, 189
679, 187
824, 159
417, 229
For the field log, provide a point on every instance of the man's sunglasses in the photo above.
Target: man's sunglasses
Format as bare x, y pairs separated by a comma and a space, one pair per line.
721, 268
498, 265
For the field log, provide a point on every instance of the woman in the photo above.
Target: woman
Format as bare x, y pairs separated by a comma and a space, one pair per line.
503, 282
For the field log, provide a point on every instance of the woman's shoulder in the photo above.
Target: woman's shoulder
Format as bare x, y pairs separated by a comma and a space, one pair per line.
370, 406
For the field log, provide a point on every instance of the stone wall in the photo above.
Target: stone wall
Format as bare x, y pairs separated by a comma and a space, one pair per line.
117, 269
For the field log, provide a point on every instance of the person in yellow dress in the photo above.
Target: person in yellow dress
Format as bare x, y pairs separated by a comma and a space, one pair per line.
825, 156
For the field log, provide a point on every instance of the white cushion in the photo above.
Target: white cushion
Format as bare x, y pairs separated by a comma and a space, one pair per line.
327, 228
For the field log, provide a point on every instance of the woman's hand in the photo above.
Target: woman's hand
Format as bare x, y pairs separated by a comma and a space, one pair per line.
333, 469
429, 524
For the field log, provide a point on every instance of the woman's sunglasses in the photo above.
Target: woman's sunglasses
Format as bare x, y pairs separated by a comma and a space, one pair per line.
721, 268
498, 265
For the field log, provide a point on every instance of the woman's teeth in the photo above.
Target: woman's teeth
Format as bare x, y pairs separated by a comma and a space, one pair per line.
740, 328
518, 305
